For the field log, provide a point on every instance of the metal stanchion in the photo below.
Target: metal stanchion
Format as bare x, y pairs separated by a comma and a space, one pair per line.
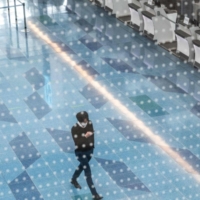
25, 30
25, 27
15, 6
17, 34
8, 4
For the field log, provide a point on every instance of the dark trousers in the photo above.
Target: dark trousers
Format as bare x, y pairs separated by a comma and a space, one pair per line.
84, 157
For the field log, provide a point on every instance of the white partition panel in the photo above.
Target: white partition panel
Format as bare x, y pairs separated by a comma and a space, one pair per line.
173, 18
101, 1
183, 82
149, 58
121, 8
136, 49
196, 92
109, 4
163, 30
197, 53
148, 25
182, 45
135, 17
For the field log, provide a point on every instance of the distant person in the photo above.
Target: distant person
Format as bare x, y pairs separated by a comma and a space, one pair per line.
83, 136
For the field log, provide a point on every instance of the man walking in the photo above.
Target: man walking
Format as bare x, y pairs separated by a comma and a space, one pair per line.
83, 136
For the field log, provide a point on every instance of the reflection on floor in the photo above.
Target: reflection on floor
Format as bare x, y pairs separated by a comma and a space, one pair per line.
40, 93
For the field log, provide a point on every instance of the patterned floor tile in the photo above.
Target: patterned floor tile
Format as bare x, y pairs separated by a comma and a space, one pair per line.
23, 187
62, 47
122, 175
159, 89
47, 21
25, 150
164, 84
38, 106
63, 139
196, 109
86, 67
90, 43
193, 160
56, 192
35, 78
119, 65
93, 96
5, 114
149, 106
83, 24
81, 197
131, 131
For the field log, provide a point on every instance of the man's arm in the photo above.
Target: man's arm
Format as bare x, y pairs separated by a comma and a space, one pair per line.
88, 134
91, 130
75, 136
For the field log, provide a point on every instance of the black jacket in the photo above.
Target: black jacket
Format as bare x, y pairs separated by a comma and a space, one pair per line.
81, 142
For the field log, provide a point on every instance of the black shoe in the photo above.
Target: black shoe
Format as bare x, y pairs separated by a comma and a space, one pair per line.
75, 183
97, 197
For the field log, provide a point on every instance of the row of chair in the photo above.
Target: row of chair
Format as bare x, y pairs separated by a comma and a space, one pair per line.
159, 23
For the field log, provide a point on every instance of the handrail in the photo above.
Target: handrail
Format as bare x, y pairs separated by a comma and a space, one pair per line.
167, 18
176, 23
9, 6
24, 13
15, 6
20, 1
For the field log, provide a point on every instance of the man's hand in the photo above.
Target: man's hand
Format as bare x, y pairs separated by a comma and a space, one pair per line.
88, 134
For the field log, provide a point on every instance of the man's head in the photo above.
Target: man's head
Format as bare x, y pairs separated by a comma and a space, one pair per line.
82, 117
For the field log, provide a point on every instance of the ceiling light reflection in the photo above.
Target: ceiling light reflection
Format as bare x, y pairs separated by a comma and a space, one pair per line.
155, 138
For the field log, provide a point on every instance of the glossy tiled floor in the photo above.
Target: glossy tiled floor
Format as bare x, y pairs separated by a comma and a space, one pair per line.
151, 150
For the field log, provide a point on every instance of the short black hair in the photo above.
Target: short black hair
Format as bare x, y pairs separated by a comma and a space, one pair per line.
81, 116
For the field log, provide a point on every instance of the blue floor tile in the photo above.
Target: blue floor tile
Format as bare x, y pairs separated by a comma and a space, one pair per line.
196, 110
164, 84
62, 47
93, 96
90, 43
63, 139
118, 65
35, 78
130, 131
56, 192
5, 114
39, 170
190, 158
21, 187
25, 150
86, 67
38, 106
149, 106
172, 193
5, 190
41, 91
8, 197
123, 177
83, 24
